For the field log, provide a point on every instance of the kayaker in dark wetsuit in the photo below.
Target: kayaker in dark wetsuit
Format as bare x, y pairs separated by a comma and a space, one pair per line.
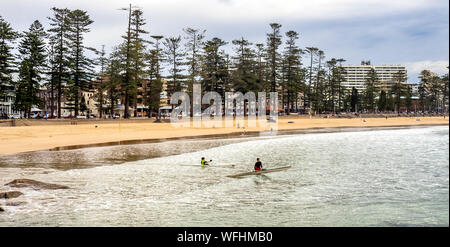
258, 165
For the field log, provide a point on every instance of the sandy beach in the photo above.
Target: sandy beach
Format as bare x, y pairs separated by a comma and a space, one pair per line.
41, 137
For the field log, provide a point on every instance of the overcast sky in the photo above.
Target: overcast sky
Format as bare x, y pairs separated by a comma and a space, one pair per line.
414, 33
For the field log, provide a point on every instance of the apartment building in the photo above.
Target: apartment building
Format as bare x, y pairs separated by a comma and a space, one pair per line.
356, 75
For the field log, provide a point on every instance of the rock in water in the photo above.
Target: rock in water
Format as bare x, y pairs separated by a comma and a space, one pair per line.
19, 183
10, 194
14, 204
1, 209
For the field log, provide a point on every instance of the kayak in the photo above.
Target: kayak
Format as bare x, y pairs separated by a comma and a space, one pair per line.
212, 166
276, 169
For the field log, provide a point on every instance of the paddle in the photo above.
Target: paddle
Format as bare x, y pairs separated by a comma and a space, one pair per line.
207, 164
218, 165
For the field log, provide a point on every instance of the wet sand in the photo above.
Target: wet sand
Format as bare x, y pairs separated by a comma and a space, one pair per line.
102, 133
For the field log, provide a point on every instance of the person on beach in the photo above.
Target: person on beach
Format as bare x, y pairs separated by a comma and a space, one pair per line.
204, 162
258, 165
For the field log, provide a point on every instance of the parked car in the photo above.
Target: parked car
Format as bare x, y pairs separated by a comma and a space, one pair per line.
36, 115
48, 116
81, 117
15, 115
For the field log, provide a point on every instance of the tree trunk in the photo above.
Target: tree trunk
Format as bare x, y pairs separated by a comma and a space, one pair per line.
52, 99
127, 73
111, 98
126, 114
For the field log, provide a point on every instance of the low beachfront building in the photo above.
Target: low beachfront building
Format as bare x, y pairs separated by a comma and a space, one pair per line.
7, 103
138, 106
50, 102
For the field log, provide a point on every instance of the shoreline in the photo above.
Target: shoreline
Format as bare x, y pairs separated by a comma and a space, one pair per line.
239, 135
69, 137
89, 156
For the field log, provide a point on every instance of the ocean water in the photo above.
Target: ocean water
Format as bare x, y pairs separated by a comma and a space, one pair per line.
387, 177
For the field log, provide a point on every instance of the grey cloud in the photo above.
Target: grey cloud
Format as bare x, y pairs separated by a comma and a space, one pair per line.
389, 37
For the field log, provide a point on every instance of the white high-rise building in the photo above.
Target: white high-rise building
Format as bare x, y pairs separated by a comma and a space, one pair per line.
356, 75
